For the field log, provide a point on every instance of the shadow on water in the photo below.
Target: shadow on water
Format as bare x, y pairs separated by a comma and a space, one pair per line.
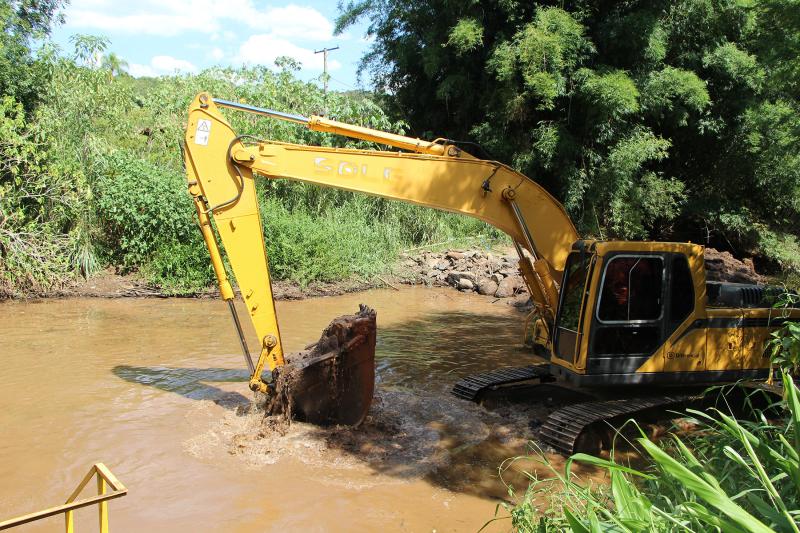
436, 350
189, 382
416, 428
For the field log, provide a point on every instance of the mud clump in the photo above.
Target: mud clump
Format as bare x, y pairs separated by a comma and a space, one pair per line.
332, 381
722, 266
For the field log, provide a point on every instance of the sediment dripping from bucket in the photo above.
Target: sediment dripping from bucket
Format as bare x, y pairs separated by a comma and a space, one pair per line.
332, 381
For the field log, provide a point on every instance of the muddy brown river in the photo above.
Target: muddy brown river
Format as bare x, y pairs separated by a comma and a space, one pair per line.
157, 390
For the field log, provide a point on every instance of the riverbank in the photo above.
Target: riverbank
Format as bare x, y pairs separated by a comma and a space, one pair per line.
108, 284
492, 273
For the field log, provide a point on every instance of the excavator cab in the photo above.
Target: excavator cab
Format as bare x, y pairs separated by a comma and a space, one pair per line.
642, 313
629, 306
619, 307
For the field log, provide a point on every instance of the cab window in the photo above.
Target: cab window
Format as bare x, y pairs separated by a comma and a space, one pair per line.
631, 289
572, 292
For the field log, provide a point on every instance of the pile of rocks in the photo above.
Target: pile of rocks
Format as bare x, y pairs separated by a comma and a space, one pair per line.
497, 274
484, 273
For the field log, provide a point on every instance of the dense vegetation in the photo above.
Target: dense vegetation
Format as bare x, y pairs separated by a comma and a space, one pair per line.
666, 120
648, 119
92, 176
726, 475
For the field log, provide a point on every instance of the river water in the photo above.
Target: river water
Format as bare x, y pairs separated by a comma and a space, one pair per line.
155, 389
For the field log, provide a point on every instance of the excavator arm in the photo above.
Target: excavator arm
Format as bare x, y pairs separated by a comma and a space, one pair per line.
221, 167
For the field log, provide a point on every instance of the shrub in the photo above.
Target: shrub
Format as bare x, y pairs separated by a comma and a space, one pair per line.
180, 267
140, 208
33, 206
729, 475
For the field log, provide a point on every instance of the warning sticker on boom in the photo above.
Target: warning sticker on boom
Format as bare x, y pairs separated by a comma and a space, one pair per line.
202, 132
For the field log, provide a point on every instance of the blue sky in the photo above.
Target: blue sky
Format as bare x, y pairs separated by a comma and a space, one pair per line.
161, 36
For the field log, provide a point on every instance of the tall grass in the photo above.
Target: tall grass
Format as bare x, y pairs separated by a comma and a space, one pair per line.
728, 475
93, 179
311, 233
325, 235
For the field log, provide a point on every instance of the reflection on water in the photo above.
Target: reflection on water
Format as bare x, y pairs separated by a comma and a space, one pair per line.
155, 389
439, 347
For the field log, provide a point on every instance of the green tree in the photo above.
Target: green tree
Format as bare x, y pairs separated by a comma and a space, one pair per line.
114, 64
671, 120
24, 70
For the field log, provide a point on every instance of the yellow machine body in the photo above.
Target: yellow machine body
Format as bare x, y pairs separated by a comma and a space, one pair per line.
701, 343
682, 338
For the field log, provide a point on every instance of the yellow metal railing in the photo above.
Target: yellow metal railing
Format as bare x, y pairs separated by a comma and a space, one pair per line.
105, 479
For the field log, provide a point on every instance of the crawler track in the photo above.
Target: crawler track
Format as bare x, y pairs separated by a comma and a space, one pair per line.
564, 427
471, 387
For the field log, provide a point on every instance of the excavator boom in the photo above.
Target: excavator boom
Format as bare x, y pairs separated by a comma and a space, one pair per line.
221, 167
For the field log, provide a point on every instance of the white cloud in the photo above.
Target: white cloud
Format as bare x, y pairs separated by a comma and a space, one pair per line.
295, 21
263, 49
156, 17
217, 54
160, 65
138, 71
169, 64
90, 4
153, 24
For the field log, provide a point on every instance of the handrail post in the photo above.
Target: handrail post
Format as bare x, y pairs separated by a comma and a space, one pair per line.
103, 506
104, 479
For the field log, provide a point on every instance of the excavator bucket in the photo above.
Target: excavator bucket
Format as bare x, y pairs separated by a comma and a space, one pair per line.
330, 382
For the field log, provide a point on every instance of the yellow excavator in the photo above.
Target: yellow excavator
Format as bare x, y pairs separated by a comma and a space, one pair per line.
610, 317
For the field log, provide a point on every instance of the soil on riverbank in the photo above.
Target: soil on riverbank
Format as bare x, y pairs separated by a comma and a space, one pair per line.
490, 273
108, 284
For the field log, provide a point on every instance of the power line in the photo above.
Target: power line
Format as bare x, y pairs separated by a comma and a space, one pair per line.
324, 53
340, 82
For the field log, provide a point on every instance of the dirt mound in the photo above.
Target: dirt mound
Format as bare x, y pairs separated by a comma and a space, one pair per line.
722, 266
486, 273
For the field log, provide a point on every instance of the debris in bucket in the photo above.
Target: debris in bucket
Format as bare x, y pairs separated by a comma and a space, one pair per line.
330, 382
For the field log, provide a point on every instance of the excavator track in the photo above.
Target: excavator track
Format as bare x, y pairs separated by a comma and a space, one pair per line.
471, 387
564, 427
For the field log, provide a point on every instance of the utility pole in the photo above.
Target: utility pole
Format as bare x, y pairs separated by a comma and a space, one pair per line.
324, 53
